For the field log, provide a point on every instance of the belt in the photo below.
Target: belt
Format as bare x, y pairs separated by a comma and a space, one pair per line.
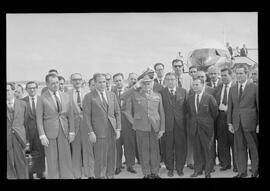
222, 111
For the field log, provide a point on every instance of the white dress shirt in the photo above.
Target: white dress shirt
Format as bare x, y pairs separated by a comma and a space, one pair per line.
200, 97
223, 107
57, 94
104, 94
243, 86
174, 90
35, 101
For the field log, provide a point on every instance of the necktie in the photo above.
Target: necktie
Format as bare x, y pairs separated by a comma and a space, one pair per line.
179, 83
104, 100
240, 92
172, 93
224, 101
160, 81
198, 101
57, 102
79, 99
120, 101
214, 84
33, 106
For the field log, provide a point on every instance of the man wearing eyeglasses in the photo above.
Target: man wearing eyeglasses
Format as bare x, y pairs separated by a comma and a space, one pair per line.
36, 148
183, 80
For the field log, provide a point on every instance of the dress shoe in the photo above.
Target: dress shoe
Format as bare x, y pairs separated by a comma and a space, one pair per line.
190, 166
255, 175
131, 169
149, 176
195, 174
180, 173
156, 176
225, 168
91, 177
240, 176
213, 170
208, 176
117, 171
170, 173
234, 169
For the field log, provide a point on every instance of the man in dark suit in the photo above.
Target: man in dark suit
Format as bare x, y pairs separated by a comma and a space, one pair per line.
17, 167
55, 123
203, 110
224, 136
102, 117
213, 73
243, 119
174, 101
244, 51
159, 69
36, 148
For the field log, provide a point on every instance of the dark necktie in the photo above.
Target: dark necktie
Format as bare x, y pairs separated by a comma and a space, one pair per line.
57, 102
214, 84
198, 101
79, 99
224, 101
160, 81
172, 93
104, 100
33, 106
179, 83
240, 92
119, 94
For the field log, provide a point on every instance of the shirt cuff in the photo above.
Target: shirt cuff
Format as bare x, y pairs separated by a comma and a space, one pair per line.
42, 136
71, 133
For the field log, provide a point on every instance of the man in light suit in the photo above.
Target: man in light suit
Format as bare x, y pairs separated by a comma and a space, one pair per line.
243, 119
102, 117
36, 148
17, 167
81, 148
148, 122
203, 110
174, 101
55, 122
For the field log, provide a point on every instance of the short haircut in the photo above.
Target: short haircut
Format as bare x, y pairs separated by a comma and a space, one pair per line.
89, 82
242, 66
193, 67
158, 64
50, 75
118, 74
226, 69
202, 72
131, 74
213, 68
12, 85
53, 70
95, 76
177, 60
31, 82
61, 78
74, 74
201, 80
170, 74
19, 85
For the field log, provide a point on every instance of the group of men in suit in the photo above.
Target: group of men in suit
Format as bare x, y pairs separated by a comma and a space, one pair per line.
176, 119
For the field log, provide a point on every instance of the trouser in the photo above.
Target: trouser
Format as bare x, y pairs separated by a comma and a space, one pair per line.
242, 140
129, 139
189, 159
176, 148
119, 150
148, 149
202, 151
58, 155
225, 141
214, 154
17, 167
77, 155
162, 146
105, 154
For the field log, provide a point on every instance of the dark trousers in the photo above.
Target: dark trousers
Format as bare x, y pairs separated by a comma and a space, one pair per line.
148, 149
225, 141
105, 154
214, 146
37, 152
17, 167
202, 151
242, 141
176, 148
189, 160
162, 146
129, 139
119, 150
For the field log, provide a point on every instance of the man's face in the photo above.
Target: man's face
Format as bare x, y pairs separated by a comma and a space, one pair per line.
18, 92
213, 74
178, 68
254, 75
101, 83
10, 92
201, 75
61, 85
108, 81
31, 89
147, 86
76, 80
197, 86
226, 77
53, 84
171, 81
241, 76
193, 72
132, 79
92, 85
118, 80
159, 71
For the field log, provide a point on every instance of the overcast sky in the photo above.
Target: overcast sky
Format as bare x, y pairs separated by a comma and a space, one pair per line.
115, 42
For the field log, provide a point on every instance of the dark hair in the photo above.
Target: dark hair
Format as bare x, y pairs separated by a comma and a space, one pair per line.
118, 74
12, 85
242, 66
192, 67
31, 82
131, 73
158, 64
50, 75
95, 76
61, 78
53, 70
201, 80
176, 60
89, 82
170, 74
226, 69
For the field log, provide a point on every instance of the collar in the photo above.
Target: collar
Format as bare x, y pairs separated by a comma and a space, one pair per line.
52, 94
243, 84
35, 97
200, 94
75, 90
228, 85
122, 89
99, 92
174, 89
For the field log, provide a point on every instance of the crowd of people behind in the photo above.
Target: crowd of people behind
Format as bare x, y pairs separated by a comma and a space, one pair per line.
243, 52
176, 119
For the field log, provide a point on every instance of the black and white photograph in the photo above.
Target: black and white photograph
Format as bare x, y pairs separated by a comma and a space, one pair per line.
132, 95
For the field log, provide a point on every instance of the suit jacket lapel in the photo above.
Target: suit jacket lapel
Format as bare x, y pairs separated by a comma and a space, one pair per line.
168, 94
8, 115
201, 102
245, 90
177, 94
109, 99
100, 101
48, 95
16, 109
73, 101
